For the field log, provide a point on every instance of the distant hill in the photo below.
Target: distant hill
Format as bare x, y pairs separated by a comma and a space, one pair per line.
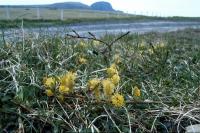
69, 5
102, 6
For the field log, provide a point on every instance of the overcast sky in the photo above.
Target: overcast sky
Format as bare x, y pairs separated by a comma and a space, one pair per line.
155, 7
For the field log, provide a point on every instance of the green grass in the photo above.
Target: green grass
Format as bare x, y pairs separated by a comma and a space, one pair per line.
54, 14
52, 17
168, 76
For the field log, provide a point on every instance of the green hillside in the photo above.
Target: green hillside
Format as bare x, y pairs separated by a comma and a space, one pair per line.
52, 14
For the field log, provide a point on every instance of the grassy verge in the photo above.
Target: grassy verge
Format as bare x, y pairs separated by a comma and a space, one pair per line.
158, 87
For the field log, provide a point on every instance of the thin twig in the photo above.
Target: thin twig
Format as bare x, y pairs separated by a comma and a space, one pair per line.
117, 39
88, 38
93, 37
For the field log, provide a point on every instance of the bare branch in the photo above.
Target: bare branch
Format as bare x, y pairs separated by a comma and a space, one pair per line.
88, 38
119, 38
93, 37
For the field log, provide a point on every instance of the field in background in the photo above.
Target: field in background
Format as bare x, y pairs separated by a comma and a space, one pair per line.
12, 17
56, 14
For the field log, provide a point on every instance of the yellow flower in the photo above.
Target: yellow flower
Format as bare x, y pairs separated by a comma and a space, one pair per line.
117, 59
49, 82
162, 45
63, 89
49, 92
112, 70
108, 87
96, 43
117, 100
71, 75
142, 45
97, 93
115, 79
68, 80
7, 45
136, 91
82, 44
93, 84
82, 60
61, 97
151, 51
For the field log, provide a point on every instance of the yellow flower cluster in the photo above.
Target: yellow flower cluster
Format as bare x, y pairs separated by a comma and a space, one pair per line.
62, 85
142, 45
111, 82
136, 92
115, 79
93, 84
49, 92
160, 45
82, 44
113, 74
49, 83
63, 89
151, 51
82, 60
96, 43
61, 97
108, 85
67, 83
112, 70
117, 100
117, 58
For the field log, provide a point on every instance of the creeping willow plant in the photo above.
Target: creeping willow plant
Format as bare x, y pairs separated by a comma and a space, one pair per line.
60, 86
104, 88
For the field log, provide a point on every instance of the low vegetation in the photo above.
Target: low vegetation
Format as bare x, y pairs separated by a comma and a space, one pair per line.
138, 83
